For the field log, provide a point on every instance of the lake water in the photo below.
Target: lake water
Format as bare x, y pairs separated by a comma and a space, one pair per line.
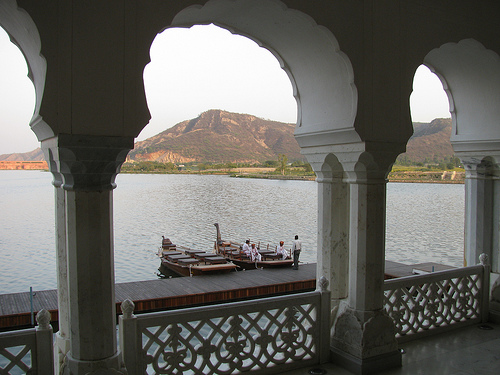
424, 221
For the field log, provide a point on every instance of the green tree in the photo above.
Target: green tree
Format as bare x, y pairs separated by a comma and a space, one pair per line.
282, 163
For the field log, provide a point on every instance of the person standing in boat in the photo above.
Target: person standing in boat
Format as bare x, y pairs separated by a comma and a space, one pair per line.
296, 248
255, 255
246, 248
280, 250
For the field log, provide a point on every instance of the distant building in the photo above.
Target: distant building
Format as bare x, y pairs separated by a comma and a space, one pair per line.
26, 165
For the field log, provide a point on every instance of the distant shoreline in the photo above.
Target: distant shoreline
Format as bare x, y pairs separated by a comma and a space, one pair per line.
9, 165
435, 177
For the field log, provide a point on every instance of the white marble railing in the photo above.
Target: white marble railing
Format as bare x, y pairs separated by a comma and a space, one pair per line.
28, 351
441, 300
286, 331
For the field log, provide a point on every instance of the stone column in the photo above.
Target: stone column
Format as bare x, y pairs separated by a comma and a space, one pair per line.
364, 336
61, 343
333, 232
482, 219
479, 224
87, 167
333, 228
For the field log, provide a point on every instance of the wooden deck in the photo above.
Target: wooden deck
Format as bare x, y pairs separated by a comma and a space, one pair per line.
166, 294
395, 269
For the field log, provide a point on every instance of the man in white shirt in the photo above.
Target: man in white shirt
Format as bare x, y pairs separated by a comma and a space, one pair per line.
246, 248
296, 248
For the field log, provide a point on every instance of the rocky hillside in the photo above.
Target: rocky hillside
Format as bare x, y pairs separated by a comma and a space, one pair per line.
35, 155
430, 141
220, 137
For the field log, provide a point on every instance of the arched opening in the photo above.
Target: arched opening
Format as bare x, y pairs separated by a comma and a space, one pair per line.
425, 220
17, 100
24, 192
322, 81
206, 67
471, 77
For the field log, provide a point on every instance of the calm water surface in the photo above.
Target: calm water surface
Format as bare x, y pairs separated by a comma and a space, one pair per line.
424, 221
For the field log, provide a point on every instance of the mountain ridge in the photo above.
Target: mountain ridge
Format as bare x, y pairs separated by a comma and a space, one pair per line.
218, 136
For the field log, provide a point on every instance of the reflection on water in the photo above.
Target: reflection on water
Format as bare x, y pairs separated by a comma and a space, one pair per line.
424, 221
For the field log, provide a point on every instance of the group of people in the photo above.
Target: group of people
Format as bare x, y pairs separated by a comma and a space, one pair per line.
253, 252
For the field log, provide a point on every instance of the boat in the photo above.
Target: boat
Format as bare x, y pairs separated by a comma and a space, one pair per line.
184, 261
233, 252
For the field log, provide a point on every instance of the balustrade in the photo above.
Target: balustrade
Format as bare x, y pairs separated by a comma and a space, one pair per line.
28, 351
438, 301
257, 336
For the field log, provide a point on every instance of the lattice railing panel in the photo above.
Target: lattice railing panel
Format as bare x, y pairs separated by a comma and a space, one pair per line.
231, 340
440, 299
28, 351
15, 360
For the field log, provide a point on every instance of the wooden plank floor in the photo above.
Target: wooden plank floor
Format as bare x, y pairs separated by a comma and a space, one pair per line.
164, 294
171, 293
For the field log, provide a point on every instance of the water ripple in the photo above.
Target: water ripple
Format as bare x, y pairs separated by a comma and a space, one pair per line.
424, 221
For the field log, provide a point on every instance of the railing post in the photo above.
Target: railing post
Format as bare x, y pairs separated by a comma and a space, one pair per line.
128, 338
324, 323
44, 343
485, 303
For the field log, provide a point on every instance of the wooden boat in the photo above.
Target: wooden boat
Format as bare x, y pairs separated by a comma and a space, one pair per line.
233, 252
189, 262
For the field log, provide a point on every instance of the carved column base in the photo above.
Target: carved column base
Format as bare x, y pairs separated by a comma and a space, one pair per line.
364, 342
61, 348
107, 366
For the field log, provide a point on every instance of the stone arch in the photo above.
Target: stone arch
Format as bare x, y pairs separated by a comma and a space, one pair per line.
321, 74
24, 34
471, 78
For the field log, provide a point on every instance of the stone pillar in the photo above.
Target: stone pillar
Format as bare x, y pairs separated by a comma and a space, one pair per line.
333, 232
333, 228
364, 336
482, 218
479, 179
86, 167
61, 343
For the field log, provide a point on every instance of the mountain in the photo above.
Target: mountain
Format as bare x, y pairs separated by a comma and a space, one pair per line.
220, 137
35, 155
429, 141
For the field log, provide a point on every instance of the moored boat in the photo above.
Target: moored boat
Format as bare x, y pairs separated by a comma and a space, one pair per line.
190, 262
233, 251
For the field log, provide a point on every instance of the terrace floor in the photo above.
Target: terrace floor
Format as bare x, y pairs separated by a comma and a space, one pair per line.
464, 351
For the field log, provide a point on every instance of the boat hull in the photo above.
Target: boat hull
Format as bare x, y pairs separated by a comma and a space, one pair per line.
249, 265
182, 270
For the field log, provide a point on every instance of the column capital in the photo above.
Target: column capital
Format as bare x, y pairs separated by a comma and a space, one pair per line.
369, 166
477, 167
362, 162
85, 162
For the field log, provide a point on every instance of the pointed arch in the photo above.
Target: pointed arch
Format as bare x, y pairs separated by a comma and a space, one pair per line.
471, 78
321, 74
24, 34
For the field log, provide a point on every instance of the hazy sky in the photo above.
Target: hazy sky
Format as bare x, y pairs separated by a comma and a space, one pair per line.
191, 71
